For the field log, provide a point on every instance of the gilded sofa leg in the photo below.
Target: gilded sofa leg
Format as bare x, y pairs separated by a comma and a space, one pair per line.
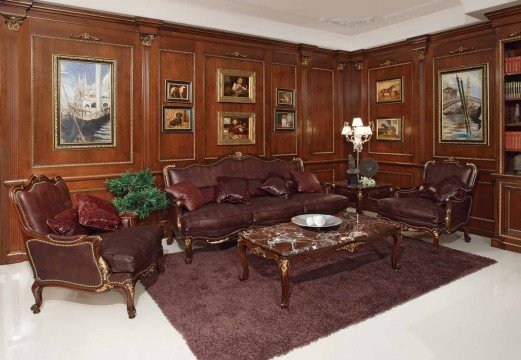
128, 288
188, 250
37, 289
435, 243
466, 234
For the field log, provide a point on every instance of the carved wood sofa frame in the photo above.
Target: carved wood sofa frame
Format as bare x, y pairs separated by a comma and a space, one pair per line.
87, 245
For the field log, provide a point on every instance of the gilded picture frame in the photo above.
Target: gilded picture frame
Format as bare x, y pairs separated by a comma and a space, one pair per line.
236, 128
178, 91
463, 105
236, 86
286, 97
176, 119
285, 120
84, 107
389, 90
389, 128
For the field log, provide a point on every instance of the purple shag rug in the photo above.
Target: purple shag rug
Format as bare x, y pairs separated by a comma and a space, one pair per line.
223, 318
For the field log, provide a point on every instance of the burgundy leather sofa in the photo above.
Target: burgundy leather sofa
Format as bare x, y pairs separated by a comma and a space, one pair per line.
219, 222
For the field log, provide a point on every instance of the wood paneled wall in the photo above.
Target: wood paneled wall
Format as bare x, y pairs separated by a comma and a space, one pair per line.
331, 87
147, 53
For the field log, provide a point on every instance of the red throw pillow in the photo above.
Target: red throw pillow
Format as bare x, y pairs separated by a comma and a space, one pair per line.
428, 190
190, 196
67, 223
209, 192
278, 186
306, 182
232, 190
97, 213
254, 188
449, 187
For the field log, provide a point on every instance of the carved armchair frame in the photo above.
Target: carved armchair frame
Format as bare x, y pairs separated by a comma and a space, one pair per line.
448, 226
175, 212
88, 245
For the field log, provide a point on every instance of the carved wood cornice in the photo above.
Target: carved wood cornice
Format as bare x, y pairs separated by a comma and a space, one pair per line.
514, 34
147, 39
420, 53
388, 62
236, 54
85, 36
304, 60
461, 50
13, 22
341, 66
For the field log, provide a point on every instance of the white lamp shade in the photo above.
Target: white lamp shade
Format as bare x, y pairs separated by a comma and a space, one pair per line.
363, 130
357, 122
346, 130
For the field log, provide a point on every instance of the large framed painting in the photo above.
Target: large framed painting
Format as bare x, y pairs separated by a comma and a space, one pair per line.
284, 120
463, 105
180, 91
389, 129
235, 86
236, 128
177, 119
84, 110
389, 90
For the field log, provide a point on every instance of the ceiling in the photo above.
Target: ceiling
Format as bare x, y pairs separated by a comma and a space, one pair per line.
335, 24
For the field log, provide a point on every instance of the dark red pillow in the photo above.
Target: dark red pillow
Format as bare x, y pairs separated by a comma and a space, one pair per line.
67, 223
232, 190
209, 192
190, 196
306, 182
97, 213
428, 190
449, 187
254, 188
278, 186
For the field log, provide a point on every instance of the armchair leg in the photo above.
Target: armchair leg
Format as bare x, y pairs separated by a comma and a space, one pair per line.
436, 241
37, 289
466, 234
188, 250
128, 288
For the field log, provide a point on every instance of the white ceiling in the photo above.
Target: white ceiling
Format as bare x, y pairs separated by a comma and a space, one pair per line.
335, 24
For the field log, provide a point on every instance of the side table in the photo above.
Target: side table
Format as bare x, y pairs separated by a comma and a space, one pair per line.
362, 196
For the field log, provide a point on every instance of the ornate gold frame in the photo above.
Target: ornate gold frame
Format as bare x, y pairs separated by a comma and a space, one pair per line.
251, 128
389, 79
252, 82
390, 118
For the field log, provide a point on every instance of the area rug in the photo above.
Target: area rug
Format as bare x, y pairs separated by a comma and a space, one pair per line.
223, 318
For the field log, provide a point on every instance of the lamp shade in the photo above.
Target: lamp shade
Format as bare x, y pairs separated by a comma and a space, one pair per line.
364, 130
357, 122
346, 130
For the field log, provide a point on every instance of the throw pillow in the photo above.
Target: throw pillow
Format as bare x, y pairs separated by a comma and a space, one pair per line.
97, 213
428, 190
190, 196
254, 188
449, 187
306, 182
67, 223
232, 190
209, 192
278, 186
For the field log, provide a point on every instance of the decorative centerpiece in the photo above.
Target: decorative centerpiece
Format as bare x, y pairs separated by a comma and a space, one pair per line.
137, 192
368, 168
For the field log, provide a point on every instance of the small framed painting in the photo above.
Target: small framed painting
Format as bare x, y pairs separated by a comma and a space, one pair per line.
284, 120
285, 97
177, 119
178, 91
235, 86
389, 90
236, 128
389, 129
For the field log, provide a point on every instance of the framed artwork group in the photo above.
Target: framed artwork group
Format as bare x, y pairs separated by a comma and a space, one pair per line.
389, 91
177, 118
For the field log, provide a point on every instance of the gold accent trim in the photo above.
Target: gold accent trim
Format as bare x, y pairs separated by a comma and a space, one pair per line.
515, 33
194, 107
482, 219
252, 124
85, 36
461, 50
388, 63
13, 22
304, 60
284, 265
359, 65
341, 66
352, 247
147, 39
420, 53
236, 54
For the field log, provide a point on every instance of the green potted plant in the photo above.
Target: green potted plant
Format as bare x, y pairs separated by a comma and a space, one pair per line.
136, 192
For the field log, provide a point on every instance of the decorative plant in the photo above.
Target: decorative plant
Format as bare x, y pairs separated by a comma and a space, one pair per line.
137, 192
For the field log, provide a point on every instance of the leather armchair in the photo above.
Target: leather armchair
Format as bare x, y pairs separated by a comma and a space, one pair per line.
418, 213
96, 262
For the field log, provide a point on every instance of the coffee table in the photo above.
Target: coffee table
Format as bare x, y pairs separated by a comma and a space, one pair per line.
288, 243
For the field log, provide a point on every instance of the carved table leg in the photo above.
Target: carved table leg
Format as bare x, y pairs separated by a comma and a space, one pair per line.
188, 250
241, 249
284, 265
37, 289
397, 236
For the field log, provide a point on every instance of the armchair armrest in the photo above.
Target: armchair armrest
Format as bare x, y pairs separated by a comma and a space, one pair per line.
70, 260
175, 213
457, 211
128, 218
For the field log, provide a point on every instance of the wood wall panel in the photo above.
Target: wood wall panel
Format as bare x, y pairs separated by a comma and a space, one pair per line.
323, 111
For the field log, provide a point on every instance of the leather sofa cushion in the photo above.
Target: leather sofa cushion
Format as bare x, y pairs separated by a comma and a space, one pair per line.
97, 213
131, 249
269, 210
321, 203
190, 196
422, 209
67, 223
232, 190
306, 181
216, 220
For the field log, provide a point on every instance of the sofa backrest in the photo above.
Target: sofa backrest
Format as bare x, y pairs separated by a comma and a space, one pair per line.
246, 166
436, 171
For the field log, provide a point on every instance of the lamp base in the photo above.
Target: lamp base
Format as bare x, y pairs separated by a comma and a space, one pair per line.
352, 179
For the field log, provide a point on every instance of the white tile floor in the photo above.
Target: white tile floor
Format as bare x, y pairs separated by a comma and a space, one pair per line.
477, 317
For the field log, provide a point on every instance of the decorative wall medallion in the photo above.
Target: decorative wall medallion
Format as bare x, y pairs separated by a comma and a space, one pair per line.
341, 66
461, 50
13, 22
388, 63
420, 54
85, 36
147, 39
236, 54
305, 60
359, 65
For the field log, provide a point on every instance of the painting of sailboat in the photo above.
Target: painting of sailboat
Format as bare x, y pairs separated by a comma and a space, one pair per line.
84, 93
463, 105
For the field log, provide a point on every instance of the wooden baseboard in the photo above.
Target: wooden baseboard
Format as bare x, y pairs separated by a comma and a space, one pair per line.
500, 244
